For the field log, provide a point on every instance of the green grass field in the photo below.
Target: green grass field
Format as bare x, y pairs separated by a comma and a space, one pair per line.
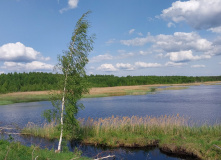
16, 151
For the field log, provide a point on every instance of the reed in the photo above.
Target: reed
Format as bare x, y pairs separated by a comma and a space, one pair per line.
134, 125
46, 130
171, 133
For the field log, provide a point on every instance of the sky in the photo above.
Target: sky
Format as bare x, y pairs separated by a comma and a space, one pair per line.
133, 37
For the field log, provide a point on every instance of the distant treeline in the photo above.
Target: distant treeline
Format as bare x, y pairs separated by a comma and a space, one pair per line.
39, 81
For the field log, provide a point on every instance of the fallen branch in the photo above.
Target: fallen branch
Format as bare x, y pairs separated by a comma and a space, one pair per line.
7, 153
75, 158
10, 133
6, 128
105, 157
217, 147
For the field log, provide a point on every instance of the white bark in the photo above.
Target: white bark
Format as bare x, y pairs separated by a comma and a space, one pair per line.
62, 113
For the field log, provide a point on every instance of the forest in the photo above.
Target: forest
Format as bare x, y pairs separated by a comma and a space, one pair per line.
39, 81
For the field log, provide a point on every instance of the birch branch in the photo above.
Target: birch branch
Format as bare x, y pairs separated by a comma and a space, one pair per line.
109, 156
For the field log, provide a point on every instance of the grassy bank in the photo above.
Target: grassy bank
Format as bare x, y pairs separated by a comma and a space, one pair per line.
16, 151
171, 134
18, 97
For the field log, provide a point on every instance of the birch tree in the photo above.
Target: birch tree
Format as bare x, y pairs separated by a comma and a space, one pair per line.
72, 66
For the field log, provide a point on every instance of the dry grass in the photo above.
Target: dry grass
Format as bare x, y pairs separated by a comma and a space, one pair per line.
134, 123
46, 130
139, 89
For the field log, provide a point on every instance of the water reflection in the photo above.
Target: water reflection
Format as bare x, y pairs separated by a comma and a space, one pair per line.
200, 103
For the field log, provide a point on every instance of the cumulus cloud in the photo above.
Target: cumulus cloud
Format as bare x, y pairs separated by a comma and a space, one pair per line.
147, 65
19, 52
71, 5
100, 58
199, 14
182, 41
107, 68
198, 66
32, 66
185, 56
177, 41
180, 46
125, 66
215, 30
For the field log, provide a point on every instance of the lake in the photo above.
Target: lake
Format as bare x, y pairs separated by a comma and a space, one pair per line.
200, 104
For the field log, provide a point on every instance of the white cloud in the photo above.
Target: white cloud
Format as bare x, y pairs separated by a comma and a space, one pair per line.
173, 64
176, 42
100, 58
26, 67
170, 24
140, 34
159, 55
200, 14
179, 42
185, 56
216, 29
147, 65
137, 41
131, 31
124, 66
144, 52
18, 52
71, 5
198, 66
107, 68
110, 41
182, 41
1, 72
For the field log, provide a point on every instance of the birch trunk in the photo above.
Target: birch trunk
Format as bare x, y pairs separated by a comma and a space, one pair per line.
62, 113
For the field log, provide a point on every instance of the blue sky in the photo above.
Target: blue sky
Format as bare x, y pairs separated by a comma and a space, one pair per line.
133, 37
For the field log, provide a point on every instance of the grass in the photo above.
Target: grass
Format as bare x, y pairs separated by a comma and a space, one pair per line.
19, 97
16, 151
170, 133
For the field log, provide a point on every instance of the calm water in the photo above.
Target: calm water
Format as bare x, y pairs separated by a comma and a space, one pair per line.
202, 104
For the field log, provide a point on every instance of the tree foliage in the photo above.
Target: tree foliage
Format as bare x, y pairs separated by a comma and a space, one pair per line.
39, 81
73, 82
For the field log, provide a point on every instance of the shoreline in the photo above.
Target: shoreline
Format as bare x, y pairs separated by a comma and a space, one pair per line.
33, 96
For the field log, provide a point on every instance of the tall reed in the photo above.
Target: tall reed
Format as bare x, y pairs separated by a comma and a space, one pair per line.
46, 130
134, 125
171, 132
